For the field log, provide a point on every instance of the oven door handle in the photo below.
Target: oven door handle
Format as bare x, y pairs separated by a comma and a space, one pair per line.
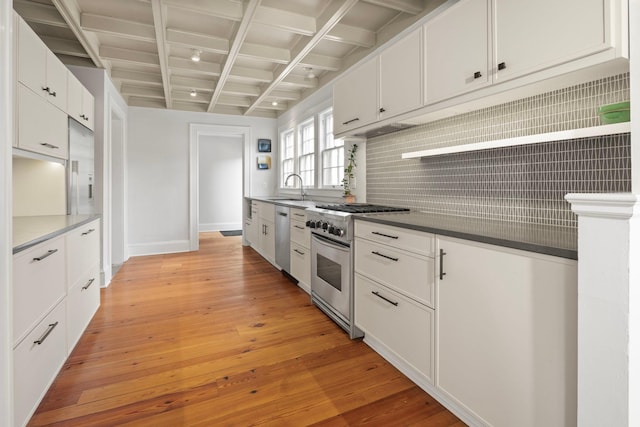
330, 242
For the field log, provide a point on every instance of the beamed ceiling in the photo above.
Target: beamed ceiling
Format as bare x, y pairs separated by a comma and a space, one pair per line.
257, 57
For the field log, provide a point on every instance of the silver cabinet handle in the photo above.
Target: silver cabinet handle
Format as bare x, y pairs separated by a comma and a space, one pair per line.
48, 254
50, 329
298, 252
299, 214
46, 144
442, 273
385, 235
384, 256
91, 230
376, 293
297, 226
89, 283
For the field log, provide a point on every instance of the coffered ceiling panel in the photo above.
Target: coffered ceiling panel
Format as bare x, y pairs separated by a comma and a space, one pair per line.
245, 57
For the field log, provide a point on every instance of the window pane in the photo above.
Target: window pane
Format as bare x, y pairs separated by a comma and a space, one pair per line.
332, 153
287, 157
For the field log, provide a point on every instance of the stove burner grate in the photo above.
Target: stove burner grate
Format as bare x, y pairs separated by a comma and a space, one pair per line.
361, 208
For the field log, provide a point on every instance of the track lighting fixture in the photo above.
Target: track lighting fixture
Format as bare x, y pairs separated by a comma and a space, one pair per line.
193, 92
309, 73
195, 56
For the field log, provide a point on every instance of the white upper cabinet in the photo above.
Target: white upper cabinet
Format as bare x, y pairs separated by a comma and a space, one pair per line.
81, 102
534, 35
39, 69
355, 98
457, 46
401, 76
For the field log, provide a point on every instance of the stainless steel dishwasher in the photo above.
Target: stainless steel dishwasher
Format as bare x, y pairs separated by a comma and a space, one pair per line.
282, 238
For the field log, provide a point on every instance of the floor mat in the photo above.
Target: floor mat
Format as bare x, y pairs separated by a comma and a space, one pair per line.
231, 233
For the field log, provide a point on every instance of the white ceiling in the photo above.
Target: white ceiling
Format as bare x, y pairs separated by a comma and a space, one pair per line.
253, 52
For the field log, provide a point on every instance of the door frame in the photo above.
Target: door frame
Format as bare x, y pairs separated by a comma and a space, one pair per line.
196, 130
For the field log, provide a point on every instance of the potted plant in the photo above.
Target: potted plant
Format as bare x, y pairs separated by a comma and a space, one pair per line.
348, 175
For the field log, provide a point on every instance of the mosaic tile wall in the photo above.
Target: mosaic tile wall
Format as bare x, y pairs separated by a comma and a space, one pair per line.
521, 184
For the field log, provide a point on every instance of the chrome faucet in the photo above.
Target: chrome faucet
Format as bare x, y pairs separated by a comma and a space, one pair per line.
302, 193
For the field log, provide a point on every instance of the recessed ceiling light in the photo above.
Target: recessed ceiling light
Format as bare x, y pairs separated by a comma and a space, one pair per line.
274, 103
193, 92
310, 74
195, 56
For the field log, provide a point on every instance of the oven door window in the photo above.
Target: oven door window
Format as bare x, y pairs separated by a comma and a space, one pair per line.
329, 271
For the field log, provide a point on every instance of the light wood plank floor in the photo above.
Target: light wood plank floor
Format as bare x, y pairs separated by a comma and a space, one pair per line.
219, 337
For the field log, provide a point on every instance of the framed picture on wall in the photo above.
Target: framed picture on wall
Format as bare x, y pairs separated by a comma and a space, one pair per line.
264, 145
264, 162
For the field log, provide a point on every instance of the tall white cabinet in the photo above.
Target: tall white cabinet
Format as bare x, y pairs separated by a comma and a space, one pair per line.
506, 334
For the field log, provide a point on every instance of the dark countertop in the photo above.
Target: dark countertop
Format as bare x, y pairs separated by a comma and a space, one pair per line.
556, 241
28, 231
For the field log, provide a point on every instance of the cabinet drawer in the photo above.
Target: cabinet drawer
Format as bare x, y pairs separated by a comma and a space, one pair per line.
403, 326
298, 215
82, 302
300, 234
267, 211
38, 284
83, 251
402, 238
411, 274
35, 365
301, 264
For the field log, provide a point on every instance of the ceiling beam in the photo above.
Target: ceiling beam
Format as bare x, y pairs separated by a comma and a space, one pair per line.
39, 13
68, 47
146, 92
197, 41
127, 55
266, 53
186, 83
352, 35
251, 74
118, 27
70, 12
231, 88
321, 62
300, 81
202, 67
185, 96
412, 7
285, 20
243, 29
160, 24
136, 77
226, 9
329, 20
285, 95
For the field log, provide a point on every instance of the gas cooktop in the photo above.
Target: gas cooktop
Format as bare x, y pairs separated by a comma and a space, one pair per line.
361, 208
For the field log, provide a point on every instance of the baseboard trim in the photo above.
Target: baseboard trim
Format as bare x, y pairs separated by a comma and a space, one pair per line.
157, 248
217, 226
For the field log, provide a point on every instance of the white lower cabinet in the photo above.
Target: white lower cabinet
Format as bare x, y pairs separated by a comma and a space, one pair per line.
300, 252
56, 293
506, 334
83, 301
400, 325
36, 362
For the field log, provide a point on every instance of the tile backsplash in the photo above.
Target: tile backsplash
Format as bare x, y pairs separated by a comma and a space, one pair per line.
524, 183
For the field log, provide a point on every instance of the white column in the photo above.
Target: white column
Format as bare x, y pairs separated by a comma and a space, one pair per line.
6, 142
608, 309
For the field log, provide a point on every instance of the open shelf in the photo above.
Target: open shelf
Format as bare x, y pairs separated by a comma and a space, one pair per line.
589, 132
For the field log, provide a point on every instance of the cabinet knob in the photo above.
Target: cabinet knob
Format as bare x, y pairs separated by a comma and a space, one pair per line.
382, 110
477, 75
46, 89
502, 66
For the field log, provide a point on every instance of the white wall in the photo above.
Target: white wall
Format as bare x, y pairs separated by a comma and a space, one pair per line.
158, 174
220, 183
6, 142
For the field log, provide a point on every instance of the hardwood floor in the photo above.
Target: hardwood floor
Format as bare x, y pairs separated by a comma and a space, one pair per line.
219, 337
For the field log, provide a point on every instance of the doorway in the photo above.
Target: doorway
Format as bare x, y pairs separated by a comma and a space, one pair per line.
200, 132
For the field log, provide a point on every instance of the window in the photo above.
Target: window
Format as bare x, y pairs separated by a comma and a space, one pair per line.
331, 152
306, 153
287, 157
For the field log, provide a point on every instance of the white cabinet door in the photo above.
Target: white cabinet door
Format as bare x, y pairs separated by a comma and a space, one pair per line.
80, 102
88, 108
39, 278
355, 98
36, 361
32, 57
401, 76
267, 239
457, 51
42, 127
56, 81
83, 301
83, 252
506, 337
301, 265
534, 35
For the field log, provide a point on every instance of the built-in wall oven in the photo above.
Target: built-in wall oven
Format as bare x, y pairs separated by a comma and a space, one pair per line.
332, 260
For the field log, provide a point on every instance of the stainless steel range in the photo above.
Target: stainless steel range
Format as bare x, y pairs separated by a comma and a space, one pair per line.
332, 259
